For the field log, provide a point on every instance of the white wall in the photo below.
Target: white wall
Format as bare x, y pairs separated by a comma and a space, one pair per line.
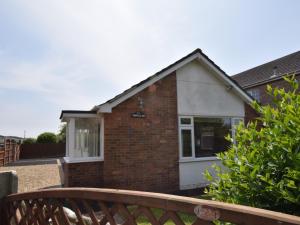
200, 92
191, 173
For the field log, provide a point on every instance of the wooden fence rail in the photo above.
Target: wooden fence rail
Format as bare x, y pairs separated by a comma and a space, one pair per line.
9, 152
86, 206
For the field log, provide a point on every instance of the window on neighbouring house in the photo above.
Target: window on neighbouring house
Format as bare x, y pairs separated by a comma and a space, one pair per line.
204, 137
254, 93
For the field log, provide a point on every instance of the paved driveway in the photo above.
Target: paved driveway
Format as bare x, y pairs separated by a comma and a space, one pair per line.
36, 173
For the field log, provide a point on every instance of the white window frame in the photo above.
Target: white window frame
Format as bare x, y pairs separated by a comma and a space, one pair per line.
191, 127
186, 127
192, 143
70, 159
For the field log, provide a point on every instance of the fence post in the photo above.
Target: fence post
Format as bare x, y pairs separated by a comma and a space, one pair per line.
9, 185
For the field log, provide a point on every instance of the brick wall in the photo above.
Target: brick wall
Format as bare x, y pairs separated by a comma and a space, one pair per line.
250, 113
264, 97
142, 153
83, 174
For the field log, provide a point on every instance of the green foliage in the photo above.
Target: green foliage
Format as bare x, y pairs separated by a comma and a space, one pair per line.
46, 137
61, 136
263, 166
29, 141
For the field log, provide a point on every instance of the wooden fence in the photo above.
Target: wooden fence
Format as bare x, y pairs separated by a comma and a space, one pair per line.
9, 152
87, 206
37, 151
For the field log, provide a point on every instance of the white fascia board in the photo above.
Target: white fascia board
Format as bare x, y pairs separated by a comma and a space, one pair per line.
107, 107
77, 115
236, 88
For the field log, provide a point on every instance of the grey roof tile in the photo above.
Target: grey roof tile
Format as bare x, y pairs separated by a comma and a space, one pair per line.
285, 65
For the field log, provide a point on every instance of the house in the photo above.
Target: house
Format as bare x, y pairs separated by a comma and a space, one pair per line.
159, 135
10, 138
255, 80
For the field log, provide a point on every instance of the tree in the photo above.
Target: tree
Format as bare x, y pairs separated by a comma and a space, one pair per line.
29, 141
263, 165
61, 136
46, 137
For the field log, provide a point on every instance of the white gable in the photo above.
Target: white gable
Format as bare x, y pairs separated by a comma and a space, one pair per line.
200, 91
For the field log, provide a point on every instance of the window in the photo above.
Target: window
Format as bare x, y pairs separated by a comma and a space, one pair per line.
186, 142
204, 137
87, 138
254, 94
185, 121
209, 135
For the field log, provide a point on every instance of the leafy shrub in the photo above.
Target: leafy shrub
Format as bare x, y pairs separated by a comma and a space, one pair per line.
46, 137
264, 163
61, 136
29, 141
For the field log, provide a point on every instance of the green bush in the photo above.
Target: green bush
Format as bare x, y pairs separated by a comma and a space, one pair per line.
263, 166
46, 137
61, 136
29, 141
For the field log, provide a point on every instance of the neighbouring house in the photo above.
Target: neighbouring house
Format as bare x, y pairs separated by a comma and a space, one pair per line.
159, 135
10, 138
2, 141
255, 80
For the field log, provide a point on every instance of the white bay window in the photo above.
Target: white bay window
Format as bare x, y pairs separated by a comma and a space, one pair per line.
84, 136
87, 138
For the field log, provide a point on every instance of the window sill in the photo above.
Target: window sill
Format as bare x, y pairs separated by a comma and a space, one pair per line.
82, 159
201, 159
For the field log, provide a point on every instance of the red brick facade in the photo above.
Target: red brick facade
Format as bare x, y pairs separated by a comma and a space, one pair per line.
264, 97
83, 174
250, 113
142, 153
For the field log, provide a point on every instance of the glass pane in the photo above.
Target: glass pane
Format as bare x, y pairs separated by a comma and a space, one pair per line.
185, 121
186, 142
86, 138
210, 135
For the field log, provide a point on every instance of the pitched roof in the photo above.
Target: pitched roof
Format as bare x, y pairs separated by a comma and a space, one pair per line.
167, 70
263, 73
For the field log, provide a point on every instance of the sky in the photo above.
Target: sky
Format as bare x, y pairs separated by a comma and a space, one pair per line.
73, 54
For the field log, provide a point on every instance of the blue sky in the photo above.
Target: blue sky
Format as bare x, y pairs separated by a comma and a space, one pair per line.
75, 54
